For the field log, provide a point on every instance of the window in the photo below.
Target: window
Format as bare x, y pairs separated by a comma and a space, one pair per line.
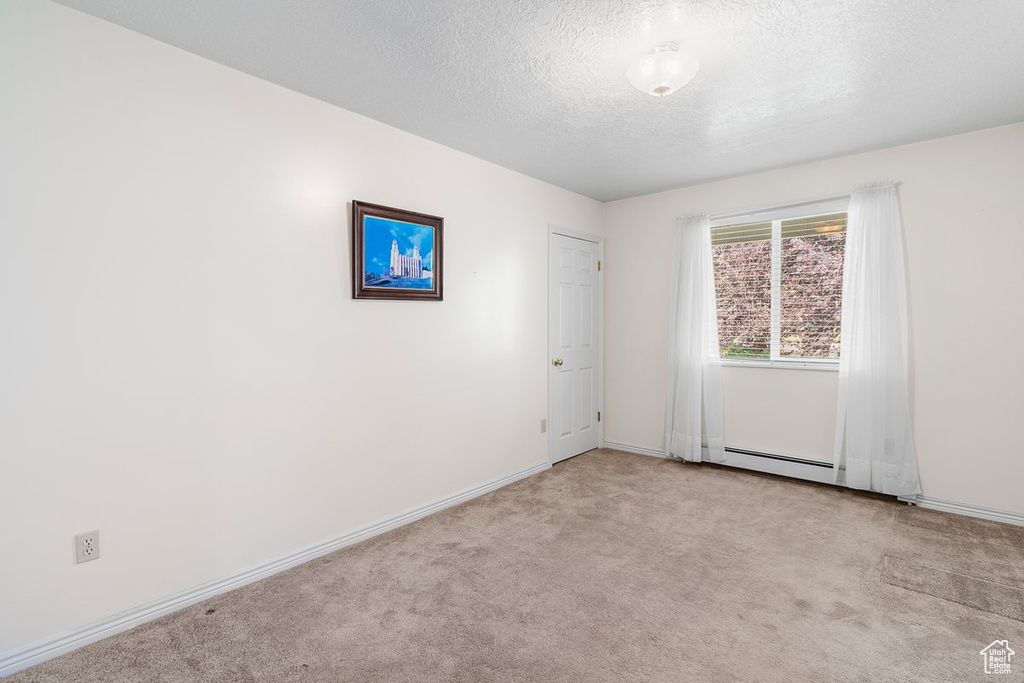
779, 283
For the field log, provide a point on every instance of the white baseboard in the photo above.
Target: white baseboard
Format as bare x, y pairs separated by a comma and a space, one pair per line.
1004, 516
786, 468
54, 646
639, 450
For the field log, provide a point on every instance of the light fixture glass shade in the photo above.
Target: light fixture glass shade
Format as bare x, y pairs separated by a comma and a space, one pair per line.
663, 71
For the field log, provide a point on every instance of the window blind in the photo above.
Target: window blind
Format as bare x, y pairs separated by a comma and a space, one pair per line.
742, 256
811, 283
778, 286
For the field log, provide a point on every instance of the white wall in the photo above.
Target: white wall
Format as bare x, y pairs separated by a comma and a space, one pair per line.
962, 200
182, 366
181, 363
782, 411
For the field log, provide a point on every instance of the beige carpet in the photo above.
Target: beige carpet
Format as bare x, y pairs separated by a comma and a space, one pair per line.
611, 567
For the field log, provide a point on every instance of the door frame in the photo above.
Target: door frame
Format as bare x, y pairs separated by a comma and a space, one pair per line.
554, 229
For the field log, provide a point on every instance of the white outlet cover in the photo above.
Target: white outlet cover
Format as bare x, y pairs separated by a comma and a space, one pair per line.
87, 546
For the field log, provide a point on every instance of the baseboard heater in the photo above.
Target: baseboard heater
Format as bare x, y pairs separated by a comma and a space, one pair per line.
773, 456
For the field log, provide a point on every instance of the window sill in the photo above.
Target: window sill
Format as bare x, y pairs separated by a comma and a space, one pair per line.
823, 365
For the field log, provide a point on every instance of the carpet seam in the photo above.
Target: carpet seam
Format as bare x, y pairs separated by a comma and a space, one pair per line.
955, 573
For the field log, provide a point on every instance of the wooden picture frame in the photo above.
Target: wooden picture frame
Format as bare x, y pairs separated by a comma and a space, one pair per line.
396, 254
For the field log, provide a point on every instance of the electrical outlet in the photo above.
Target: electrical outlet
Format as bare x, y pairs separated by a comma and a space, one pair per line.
87, 546
543, 426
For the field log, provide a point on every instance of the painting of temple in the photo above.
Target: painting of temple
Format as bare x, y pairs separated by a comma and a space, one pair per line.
398, 255
405, 266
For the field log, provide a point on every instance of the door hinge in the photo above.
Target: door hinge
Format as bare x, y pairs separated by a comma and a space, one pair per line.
599, 416
599, 265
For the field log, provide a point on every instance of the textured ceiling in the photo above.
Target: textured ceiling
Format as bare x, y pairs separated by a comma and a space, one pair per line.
539, 86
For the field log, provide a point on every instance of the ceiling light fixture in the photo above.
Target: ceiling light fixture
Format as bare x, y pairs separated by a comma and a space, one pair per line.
663, 71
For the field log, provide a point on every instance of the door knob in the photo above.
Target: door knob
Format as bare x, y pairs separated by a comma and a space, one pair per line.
556, 362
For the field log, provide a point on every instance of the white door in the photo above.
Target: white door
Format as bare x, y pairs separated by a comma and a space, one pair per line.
574, 355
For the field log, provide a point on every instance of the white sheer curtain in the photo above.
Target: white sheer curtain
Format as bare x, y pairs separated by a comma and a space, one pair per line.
694, 383
874, 444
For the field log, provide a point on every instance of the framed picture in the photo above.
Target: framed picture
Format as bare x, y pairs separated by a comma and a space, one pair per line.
396, 254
